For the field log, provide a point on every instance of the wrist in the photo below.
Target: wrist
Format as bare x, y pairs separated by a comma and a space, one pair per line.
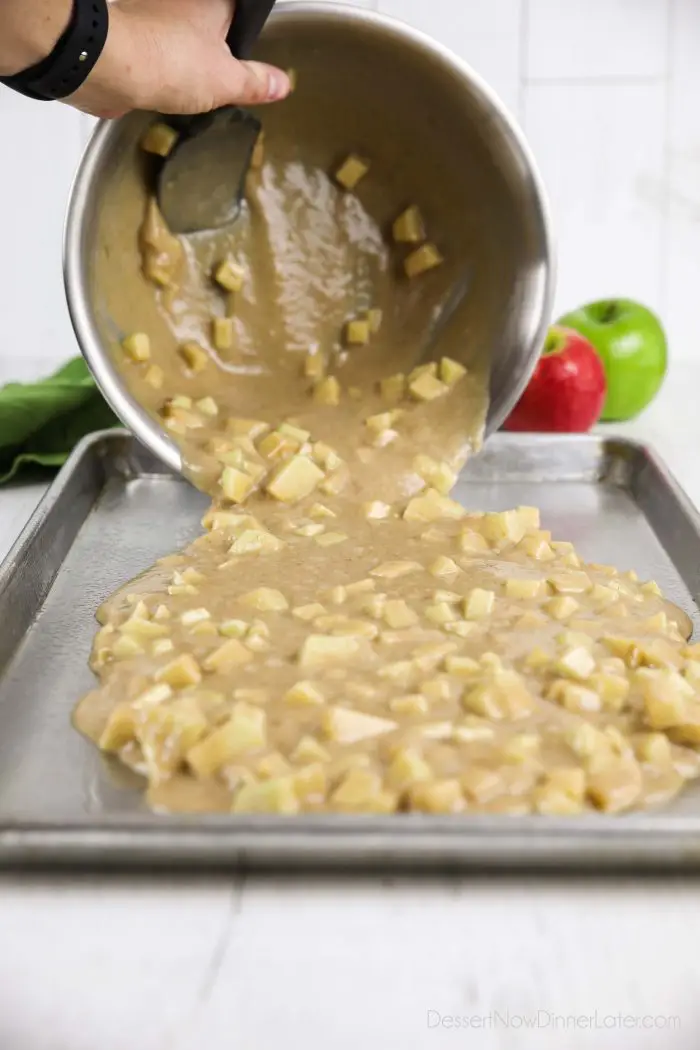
29, 30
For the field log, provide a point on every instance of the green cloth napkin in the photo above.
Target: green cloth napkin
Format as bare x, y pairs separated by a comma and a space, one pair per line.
41, 422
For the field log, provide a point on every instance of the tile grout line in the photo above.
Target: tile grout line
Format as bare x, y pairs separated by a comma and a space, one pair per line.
523, 51
665, 253
621, 80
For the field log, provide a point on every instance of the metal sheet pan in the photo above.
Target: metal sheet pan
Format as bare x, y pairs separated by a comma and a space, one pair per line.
114, 509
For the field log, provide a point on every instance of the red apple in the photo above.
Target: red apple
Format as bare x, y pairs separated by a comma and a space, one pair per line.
566, 391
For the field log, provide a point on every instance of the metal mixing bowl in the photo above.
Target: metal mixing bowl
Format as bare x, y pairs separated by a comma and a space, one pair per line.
432, 122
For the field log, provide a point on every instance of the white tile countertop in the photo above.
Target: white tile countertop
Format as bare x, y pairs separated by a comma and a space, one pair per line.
258, 964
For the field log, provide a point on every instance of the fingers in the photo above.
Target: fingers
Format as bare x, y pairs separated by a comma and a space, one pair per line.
252, 83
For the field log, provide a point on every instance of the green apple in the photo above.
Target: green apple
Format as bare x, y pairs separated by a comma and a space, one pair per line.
632, 346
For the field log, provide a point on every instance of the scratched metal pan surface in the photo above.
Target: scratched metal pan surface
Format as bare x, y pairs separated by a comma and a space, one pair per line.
114, 509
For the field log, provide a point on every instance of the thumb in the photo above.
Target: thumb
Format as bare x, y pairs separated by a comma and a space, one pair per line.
251, 83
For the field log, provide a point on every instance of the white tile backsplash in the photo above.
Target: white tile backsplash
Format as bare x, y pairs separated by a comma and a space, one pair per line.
682, 274
608, 92
593, 39
42, 144
605, 176
486, 35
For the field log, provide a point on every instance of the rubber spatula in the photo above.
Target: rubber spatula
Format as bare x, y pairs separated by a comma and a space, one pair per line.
201, 183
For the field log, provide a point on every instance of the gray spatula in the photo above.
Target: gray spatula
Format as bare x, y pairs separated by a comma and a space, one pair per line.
201, 182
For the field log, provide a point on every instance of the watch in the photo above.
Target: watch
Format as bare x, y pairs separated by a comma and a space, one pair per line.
72, 59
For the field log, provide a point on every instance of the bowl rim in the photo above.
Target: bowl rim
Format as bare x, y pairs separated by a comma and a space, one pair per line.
97, 355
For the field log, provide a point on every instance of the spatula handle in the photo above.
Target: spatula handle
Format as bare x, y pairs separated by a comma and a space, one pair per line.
248, 20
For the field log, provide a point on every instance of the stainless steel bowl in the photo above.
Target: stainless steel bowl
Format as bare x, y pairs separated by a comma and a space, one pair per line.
435, 123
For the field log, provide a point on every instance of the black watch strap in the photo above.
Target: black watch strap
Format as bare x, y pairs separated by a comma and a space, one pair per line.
72, 59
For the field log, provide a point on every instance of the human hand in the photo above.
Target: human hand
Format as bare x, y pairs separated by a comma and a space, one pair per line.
172, 56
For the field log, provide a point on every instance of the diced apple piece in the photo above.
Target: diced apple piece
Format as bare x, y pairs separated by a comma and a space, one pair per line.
194, 356
436, 796
409, 227
562, 607
570, 582
451, 372
245, 731
612, 689
520, 588
155, 377
396, 613
229, 655
236, 484
479, 604
193, 616
407, 767
162, 646
180, 672
269, 796
335, 482
666, 695
393, 388
472, 542
276, 445
273, 766
462, 666
440, 476
361, 791
551, 801
308, 612
523, 747
412, 704
425, 258
327, 391
573, 697
295, 479
251, 541
144, 630
229, 276
309, 750
427, 387
325, 456
570, 781
505, 696
501, 526
659, 653
159, 139
119, 729
374, 319
265, 599
616, 785
392, 570
314, 528
137, 347
346, 726
482, 784
432, 506
655, 749
330, 539
311, 782
222, 333
440, 613
357, 332
233, 628
351, 171
320, 650
444, 566
576, 663
304, 694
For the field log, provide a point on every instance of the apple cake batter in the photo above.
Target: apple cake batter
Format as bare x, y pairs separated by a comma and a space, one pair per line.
344, 636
